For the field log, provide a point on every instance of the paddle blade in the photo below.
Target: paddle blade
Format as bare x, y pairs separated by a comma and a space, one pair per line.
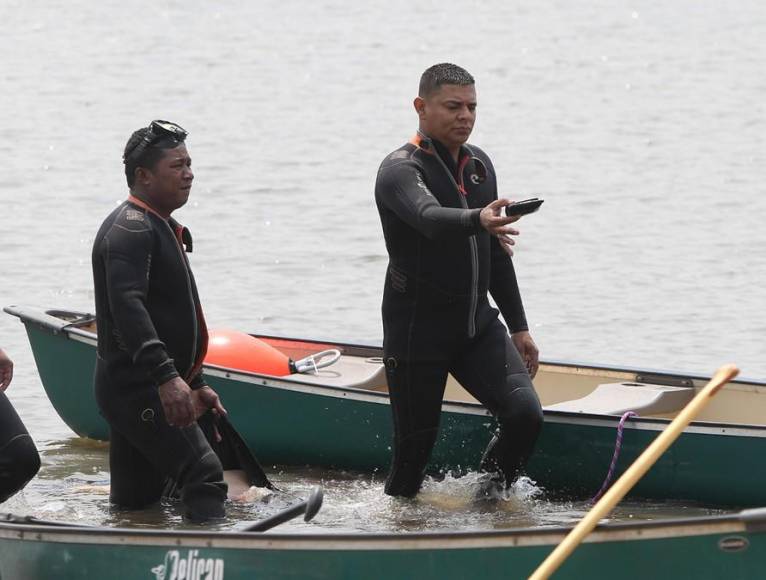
313, 503
309, 506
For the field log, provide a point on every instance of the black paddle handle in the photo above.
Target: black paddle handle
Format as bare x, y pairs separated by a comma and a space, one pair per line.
309, 506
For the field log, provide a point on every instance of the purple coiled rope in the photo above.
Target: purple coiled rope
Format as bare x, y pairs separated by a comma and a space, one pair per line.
617, 445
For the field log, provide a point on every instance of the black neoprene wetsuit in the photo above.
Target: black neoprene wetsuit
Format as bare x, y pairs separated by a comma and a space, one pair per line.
150, 330
437, 318
19, 460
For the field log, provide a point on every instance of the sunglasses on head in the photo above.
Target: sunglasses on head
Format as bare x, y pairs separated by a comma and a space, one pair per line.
158, 131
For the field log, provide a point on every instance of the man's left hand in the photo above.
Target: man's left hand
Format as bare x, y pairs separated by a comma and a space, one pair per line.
527, 348
206, 398
496, 223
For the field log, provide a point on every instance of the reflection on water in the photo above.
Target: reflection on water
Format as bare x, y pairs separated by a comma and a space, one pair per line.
73, 487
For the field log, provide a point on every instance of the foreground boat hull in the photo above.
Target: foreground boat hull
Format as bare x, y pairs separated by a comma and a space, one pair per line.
711, 548
292, 423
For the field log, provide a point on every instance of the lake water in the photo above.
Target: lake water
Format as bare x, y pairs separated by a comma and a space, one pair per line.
641, 124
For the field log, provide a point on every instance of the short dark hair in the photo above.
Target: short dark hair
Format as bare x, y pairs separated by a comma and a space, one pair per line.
148, 157
443, 74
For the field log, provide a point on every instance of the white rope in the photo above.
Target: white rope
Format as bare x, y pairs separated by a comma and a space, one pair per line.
314, 362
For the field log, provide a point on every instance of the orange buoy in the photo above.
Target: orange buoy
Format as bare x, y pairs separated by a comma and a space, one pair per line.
237, 350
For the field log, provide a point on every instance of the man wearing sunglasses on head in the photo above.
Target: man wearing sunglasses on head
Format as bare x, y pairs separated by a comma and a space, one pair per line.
152, 336
448, 246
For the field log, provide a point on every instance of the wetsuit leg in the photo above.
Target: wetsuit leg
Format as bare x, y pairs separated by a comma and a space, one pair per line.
135, 482
19, 460
493, 372
415, 390
146, 443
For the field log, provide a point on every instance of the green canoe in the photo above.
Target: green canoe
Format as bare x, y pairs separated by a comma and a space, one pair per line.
339, 417
704, 548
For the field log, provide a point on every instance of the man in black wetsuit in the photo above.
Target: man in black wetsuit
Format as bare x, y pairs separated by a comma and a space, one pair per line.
19, 460
448, 245
152, 336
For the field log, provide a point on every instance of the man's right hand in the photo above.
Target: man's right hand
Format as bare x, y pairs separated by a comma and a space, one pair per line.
177, 403
6, 370
496, 223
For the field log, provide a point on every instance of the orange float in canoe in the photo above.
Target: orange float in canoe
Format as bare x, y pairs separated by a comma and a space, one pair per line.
237, 350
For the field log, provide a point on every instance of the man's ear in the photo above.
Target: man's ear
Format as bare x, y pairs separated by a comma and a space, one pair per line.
142, 175
420, 107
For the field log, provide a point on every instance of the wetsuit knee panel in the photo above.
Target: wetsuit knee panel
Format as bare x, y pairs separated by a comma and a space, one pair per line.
206, 469
521, 410
19, 463
203, 489
26, 459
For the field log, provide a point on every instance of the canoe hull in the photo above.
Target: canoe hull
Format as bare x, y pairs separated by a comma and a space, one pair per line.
700, 548
291, 423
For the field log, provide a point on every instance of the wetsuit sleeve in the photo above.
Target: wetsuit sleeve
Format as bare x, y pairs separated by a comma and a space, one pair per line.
503, 285
505, 288
127, 255
198, 381
401, 189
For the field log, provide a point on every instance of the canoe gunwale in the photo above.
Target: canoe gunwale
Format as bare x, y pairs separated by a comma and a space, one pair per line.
746, 521
655, 424
47, 320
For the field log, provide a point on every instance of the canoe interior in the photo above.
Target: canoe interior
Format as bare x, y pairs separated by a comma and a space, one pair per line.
741, 402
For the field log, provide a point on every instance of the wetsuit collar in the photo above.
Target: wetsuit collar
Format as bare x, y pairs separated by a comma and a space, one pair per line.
429, 145
182, 233
142, 204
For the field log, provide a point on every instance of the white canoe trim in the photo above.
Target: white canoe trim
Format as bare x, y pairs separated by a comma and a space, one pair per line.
655, 424
703, 526
82, 336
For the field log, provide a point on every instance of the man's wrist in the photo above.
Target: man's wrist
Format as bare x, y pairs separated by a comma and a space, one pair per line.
164, 373
474, 219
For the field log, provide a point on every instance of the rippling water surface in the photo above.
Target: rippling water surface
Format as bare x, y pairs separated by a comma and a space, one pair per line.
641, 124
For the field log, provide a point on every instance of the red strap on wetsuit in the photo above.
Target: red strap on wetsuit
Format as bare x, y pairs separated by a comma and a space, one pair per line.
417, 141
460, 169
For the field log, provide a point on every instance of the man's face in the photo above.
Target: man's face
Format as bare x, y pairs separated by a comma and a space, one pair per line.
448, 114
169, 182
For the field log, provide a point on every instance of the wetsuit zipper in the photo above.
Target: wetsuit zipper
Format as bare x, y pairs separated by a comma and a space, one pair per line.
474, 251
193, 357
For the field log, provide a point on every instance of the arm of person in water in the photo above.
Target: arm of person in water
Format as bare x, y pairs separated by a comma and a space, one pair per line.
505, 291
504, 288
6, 370
126, 253
401, 188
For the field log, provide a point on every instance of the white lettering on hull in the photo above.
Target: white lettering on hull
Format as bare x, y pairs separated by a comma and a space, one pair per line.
189, 566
